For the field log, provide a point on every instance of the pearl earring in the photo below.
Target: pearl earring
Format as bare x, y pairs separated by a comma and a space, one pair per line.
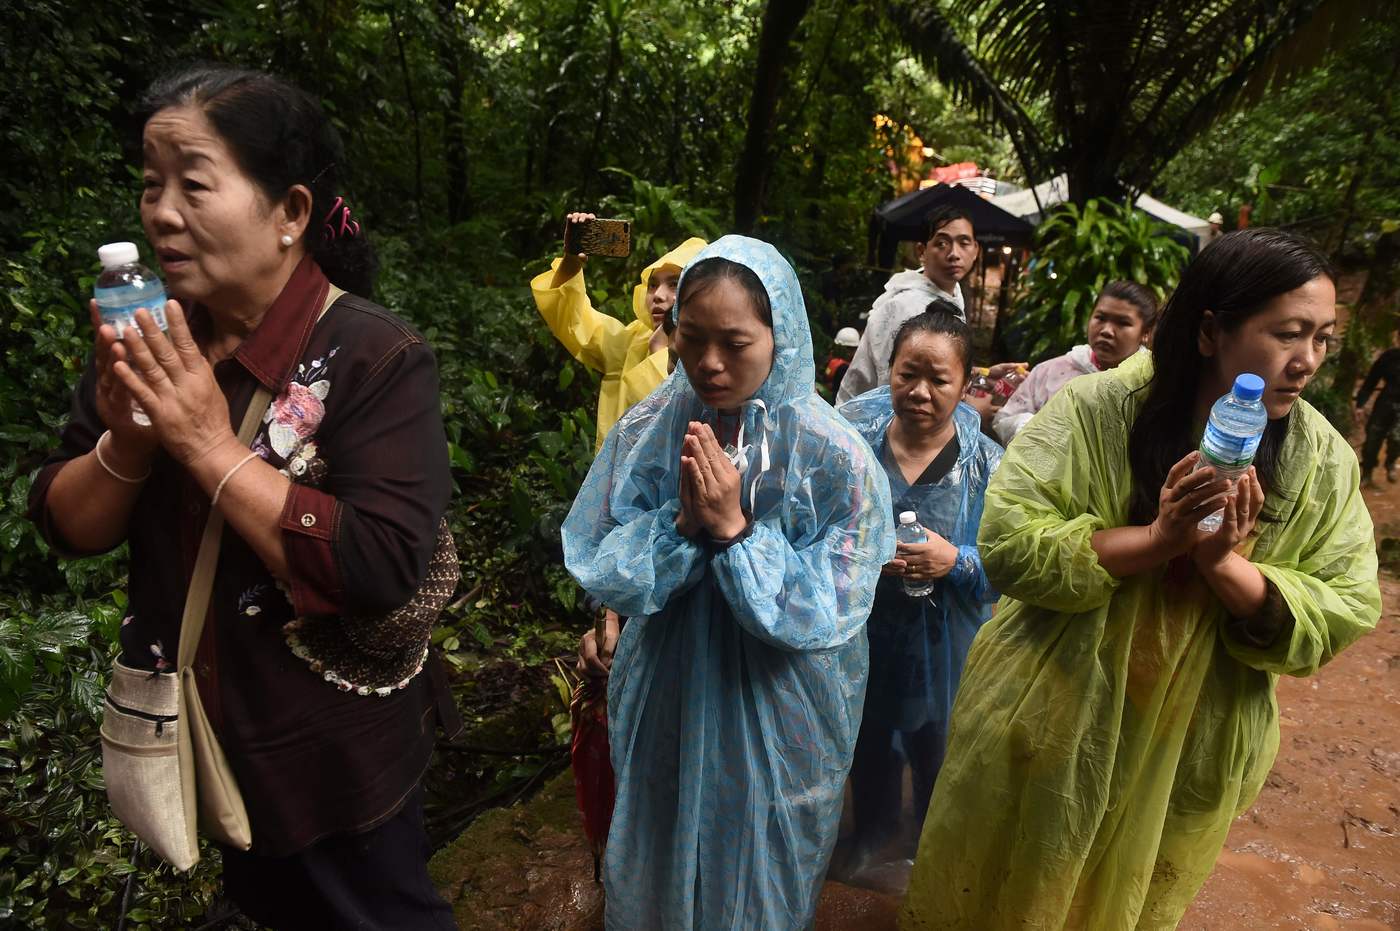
286, 239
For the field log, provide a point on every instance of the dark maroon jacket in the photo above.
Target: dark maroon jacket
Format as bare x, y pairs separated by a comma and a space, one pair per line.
356, 425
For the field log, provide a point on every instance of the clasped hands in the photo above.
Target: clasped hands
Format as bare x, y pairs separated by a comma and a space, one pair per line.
709, 488
1189, 495
168, 376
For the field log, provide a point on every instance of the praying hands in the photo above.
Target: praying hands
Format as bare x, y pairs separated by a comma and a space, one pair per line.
709, 488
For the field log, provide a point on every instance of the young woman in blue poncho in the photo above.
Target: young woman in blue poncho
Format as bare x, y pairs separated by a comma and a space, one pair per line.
741, 524
938, 463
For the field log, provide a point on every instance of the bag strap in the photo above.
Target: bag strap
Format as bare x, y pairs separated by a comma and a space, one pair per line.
202, 579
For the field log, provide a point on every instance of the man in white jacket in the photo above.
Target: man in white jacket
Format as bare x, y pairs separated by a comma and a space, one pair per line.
948, 252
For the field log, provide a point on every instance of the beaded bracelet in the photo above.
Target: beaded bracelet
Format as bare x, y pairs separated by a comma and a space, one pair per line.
97, 448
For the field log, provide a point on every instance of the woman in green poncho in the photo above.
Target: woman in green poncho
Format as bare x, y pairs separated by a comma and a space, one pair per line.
1118, 711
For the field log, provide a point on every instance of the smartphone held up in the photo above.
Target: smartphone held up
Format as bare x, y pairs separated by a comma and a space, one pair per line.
598, 237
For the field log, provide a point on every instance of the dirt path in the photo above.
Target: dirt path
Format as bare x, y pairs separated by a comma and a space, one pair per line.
1320, 849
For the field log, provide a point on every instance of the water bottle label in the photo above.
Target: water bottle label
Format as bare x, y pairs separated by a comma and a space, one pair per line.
1225, 449
118, 306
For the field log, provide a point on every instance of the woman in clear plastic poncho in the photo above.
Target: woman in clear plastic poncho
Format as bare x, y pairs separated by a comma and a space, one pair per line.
938, 463
735, 694
1118, 711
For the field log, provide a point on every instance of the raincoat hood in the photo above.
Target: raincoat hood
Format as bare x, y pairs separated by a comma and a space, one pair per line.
680, 257
1083, 358
872, 413
735, 653
912, 280
794, 371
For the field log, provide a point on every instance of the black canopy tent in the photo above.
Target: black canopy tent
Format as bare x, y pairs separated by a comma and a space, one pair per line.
903, 219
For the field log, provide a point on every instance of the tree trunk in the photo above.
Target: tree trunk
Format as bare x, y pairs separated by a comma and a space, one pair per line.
556, 146
1381, 112
780, 21
605, 105
454, 136
413, 111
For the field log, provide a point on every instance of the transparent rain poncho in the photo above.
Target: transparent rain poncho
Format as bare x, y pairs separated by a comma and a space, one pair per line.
917, 644
736, 689
1107, 731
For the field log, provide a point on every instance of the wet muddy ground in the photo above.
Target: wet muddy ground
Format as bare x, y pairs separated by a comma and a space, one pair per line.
1318, 851
1320, 848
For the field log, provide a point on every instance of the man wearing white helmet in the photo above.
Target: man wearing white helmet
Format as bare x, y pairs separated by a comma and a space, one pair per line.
1216, 221
843, 347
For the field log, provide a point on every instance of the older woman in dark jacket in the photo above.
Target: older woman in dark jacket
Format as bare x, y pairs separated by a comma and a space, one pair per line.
332, 513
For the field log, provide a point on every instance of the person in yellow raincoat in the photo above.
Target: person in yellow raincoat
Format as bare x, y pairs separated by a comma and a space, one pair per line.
632, 357
1118, 711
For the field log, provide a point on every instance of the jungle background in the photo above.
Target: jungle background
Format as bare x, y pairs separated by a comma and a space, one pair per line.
473, 128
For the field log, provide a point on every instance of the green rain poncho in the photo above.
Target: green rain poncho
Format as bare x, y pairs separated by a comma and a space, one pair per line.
1107, 731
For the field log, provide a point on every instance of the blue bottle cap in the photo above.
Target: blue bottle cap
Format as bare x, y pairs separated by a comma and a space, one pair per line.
1249, 387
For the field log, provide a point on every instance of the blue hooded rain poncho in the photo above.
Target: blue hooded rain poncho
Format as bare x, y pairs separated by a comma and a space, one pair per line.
736, 689
918, 645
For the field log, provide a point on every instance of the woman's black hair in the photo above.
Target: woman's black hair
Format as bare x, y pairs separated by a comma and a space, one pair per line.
1234, 278
703, 275
1140, 297
940, 318
280, 137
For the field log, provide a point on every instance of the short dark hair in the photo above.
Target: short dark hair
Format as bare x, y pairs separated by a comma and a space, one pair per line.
703, 275
280, 137
1235, 277
1139, 296
940, 318
941, 216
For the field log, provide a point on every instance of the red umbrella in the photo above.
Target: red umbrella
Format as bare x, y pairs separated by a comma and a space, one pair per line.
593, 772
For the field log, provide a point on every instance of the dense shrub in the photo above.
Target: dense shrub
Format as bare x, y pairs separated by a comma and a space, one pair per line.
1077, 253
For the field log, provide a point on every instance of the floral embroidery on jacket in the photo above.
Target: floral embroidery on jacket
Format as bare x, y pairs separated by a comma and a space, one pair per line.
288, 434
162, 661
291, 421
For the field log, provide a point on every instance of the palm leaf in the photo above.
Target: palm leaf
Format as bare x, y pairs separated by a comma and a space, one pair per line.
1118, 87
934, 42
1316, 33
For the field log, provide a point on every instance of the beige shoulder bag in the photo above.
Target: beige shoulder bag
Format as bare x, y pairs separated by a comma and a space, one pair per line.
164, 768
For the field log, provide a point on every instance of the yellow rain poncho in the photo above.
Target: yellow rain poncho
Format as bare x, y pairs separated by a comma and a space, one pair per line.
620, 351
1107, 731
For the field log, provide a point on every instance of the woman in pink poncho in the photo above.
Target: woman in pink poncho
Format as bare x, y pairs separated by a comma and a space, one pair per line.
1120, 325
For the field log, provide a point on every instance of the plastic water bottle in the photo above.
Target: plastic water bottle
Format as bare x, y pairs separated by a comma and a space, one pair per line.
981, 385
1236, 424
910, 531
124, 287
1007, 384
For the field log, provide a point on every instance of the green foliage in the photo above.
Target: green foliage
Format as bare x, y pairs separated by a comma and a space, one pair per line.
63, 858
1078, 251
1106, 93
471, 129
1321, 156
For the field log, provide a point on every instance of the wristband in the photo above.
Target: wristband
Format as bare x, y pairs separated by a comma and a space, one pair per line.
219, 489
97, 449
